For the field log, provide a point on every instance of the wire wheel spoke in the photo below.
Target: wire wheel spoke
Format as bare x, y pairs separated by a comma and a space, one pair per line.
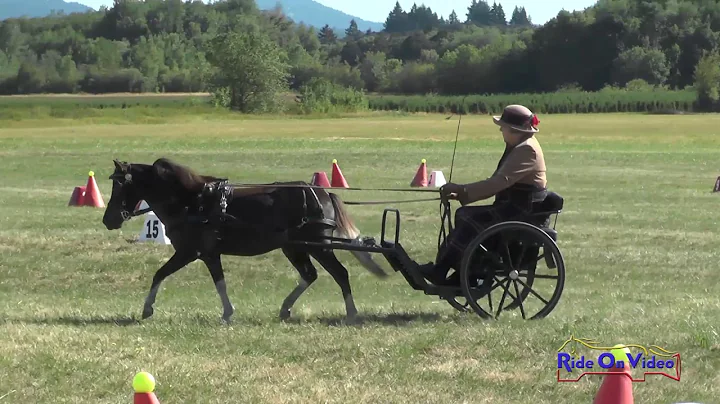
533, 292
520, 302
507, 292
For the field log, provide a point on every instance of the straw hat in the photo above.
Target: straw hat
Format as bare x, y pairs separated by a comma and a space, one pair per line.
519, 118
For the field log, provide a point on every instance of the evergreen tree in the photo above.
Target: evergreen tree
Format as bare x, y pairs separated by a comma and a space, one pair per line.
352, 32
397, 20
453, 18
479, 13
519, 17
497, 15
422, 18
327, 35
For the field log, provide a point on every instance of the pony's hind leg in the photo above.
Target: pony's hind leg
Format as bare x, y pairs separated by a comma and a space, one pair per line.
174, 264
338, 271
214, 265
308, 275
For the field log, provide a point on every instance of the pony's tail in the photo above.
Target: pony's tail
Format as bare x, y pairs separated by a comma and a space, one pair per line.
346, 229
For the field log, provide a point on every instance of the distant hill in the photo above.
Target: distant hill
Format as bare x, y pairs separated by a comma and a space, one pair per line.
37, 8
306, 11
313, 13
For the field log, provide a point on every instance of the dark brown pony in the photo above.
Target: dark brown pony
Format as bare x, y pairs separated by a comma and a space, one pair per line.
255, 222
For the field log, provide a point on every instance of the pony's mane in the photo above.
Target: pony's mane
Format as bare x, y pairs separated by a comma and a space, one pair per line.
184, 175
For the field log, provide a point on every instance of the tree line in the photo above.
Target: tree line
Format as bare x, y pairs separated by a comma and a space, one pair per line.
238, 52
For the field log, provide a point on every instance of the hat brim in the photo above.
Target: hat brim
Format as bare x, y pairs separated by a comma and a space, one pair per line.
498, 122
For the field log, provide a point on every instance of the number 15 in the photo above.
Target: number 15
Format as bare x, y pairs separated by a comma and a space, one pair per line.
152, 229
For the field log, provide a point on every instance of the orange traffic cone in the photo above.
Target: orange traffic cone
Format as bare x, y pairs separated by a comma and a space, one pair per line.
92, 193
338, 181
78, 196
421, 177
616, 387
145, 398
144, 385
320, 179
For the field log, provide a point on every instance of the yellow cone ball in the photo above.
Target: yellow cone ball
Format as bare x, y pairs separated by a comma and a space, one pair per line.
423, 161
620, 352
143, 382
91, 173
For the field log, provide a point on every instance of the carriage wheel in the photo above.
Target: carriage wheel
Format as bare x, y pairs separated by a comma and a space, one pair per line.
510, 262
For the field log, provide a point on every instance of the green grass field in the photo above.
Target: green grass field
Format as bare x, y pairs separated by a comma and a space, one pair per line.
639, 236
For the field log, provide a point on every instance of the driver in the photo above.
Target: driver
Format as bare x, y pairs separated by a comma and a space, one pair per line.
518, 181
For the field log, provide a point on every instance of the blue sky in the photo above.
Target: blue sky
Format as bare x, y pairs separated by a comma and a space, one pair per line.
377, 10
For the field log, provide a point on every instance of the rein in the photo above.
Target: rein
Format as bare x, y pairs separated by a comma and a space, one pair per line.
350, 189
445, 208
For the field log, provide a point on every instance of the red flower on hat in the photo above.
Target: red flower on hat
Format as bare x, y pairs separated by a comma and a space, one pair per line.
535, 121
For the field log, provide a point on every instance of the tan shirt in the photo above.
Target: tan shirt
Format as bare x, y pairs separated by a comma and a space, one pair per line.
524, 164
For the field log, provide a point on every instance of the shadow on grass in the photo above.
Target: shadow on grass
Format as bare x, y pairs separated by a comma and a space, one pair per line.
79, 320
390, 319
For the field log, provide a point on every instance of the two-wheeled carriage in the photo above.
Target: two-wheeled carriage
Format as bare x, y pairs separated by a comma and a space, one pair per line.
207, 217
508, 255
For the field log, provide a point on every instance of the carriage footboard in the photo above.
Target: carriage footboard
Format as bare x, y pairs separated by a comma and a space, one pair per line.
395, 254
397, 257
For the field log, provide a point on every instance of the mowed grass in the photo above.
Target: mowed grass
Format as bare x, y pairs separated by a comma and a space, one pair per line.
638, 233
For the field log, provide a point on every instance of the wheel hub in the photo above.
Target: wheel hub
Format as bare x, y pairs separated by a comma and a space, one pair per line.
514, 274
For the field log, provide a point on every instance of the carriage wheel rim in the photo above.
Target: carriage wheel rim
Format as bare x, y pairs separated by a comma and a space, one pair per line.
453, 301
549, 246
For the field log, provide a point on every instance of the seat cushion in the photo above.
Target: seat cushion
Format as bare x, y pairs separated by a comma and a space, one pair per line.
552, 203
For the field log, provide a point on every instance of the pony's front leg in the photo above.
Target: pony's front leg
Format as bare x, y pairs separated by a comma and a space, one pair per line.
175, 263
214, 265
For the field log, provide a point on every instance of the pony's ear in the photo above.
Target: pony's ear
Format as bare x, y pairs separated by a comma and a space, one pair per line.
117, 164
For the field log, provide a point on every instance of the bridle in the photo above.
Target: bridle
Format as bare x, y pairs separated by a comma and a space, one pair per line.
124, 179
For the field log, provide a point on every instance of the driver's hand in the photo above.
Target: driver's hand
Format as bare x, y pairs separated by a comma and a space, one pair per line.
452, 191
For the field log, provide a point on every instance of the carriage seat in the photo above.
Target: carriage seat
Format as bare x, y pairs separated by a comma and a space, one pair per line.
542, 210
553, 203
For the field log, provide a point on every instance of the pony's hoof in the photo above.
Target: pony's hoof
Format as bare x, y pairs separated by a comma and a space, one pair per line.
147, 313
226, 320
284, 315
228, 313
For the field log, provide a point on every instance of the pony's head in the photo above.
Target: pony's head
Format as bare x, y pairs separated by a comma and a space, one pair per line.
163, 182
125, 194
